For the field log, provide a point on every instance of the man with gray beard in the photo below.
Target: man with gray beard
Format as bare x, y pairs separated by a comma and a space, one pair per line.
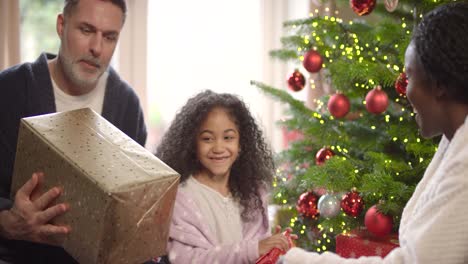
79, 76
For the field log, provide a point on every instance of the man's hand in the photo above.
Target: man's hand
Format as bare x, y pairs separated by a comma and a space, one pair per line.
29, 218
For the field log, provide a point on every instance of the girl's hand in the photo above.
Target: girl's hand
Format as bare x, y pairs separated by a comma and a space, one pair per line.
278, 240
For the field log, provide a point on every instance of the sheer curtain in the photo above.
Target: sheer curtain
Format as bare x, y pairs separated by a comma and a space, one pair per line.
131, 56
198, 45
9, 33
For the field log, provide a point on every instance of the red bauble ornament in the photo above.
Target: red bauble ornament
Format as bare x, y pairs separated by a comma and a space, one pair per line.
312, 61
362, 7
338, 105
352, 203
376, 100
296, 81
323, 155
378, 223
307, 205
401, 83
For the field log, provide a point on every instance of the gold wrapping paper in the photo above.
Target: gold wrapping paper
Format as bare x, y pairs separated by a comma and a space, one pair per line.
121, 196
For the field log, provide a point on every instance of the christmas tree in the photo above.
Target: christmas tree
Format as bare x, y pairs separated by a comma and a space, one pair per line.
360, 155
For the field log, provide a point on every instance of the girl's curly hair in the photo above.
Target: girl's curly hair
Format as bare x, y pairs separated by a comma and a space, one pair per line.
441, 40
251, 172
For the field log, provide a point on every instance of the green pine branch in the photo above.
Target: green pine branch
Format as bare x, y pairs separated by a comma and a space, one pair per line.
382, 156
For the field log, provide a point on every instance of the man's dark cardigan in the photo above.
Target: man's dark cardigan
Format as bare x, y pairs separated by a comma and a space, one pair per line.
26, 90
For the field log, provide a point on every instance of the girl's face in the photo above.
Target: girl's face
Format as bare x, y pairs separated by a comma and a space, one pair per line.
422, 95
217, 143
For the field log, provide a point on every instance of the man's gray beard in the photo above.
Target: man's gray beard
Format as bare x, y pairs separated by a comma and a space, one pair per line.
68, 65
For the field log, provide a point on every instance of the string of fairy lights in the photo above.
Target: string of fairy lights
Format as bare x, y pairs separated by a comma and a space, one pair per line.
348, 53
349, 48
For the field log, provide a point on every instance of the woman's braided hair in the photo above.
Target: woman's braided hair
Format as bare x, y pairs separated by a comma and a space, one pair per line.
441, 41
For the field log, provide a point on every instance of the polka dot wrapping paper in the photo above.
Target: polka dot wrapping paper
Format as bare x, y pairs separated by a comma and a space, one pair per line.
121, 196
360, 243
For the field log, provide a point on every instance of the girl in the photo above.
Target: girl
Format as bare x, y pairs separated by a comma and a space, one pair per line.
220, 213
434, 224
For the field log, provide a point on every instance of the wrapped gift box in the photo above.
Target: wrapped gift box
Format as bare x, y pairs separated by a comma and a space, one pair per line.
361, 243
121, 196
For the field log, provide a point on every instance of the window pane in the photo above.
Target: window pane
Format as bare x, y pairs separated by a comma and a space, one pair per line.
38, 34
197, 45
